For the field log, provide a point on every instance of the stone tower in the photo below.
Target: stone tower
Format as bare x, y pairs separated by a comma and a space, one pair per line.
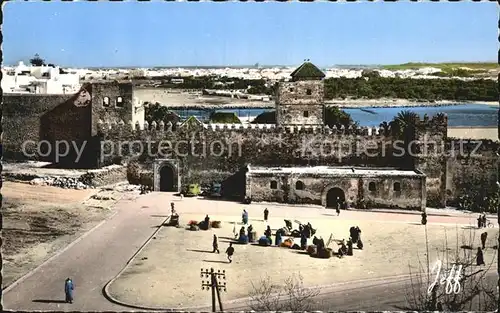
300, 101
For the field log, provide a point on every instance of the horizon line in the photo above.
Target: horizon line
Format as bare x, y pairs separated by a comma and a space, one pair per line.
258, 65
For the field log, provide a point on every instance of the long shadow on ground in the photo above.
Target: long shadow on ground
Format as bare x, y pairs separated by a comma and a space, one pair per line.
213, 261
49, 301
202, 251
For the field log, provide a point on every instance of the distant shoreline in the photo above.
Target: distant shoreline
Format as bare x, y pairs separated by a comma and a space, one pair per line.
344, 104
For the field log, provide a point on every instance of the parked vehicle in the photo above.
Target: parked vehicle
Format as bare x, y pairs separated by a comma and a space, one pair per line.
192, 190
216, 190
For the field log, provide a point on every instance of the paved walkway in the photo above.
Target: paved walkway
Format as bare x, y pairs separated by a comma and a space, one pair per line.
92, 262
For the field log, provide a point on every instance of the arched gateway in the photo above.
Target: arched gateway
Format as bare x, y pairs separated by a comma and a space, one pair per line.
333, 196
167, 178
166, 175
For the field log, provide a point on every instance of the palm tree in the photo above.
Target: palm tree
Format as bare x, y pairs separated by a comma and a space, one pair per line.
404, 127
406, 123
386, 127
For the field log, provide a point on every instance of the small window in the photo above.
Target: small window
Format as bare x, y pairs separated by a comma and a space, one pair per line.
119, 102
105, 101
274, 184
291, 89
397, 186
299, 185
371, 186
309, 92
306, 114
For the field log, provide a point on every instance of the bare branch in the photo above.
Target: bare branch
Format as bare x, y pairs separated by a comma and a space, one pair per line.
291, 296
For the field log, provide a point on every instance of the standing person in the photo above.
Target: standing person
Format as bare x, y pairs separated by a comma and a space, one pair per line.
479, 257
244, 217
230, 252
484, 220
68, 290
303, 241
480, 221
484, 236
268, 232
349, 247
424, 218
266, 214
215, 244
278, 238
337, 208
250, 234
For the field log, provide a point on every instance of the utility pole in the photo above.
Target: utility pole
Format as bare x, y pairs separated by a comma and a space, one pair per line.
214, 285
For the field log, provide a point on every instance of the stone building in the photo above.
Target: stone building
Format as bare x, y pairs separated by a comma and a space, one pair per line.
300, 101
325, 186
106, 123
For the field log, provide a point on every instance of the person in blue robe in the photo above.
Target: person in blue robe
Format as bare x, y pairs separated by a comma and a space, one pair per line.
278, 238
68, 290
244, 217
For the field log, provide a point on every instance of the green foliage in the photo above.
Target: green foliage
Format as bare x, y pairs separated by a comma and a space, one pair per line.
405, 88
477, 195
458, 72
157, 112
37, 60
404, 124
333, 117
224, 117
404, 127
375, 87
336, 117
442, 66
268, 117
253, 86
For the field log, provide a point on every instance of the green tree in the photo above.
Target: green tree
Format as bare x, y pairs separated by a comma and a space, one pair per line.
404, 127
268, 117
224, 117
157, 112
37, 60
337, 117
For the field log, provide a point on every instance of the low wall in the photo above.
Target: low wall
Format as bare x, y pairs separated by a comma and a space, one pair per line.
105, 176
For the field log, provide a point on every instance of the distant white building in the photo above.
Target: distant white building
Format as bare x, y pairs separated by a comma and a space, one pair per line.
39, 79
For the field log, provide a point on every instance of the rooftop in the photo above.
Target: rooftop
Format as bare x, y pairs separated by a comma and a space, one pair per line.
307, 71
330, 170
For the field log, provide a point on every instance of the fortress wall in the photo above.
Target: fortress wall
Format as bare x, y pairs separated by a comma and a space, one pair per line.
208, 154
432, 133
471, 162
42, 117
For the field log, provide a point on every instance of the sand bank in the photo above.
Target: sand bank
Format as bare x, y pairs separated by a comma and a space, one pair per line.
195, 100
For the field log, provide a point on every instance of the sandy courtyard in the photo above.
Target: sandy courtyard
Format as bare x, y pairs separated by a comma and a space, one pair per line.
40, 220
166, 274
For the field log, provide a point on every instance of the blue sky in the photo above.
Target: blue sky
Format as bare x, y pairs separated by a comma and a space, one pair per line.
204, 34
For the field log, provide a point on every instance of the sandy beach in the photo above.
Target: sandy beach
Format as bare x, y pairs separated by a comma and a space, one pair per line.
476, 133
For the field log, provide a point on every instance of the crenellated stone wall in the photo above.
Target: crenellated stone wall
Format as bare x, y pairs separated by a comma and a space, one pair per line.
214, 152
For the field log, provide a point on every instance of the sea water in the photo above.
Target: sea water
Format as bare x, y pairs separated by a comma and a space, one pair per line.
465, 115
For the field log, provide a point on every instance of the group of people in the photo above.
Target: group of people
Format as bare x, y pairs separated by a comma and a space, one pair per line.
244, 216
481, 221
306, 231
